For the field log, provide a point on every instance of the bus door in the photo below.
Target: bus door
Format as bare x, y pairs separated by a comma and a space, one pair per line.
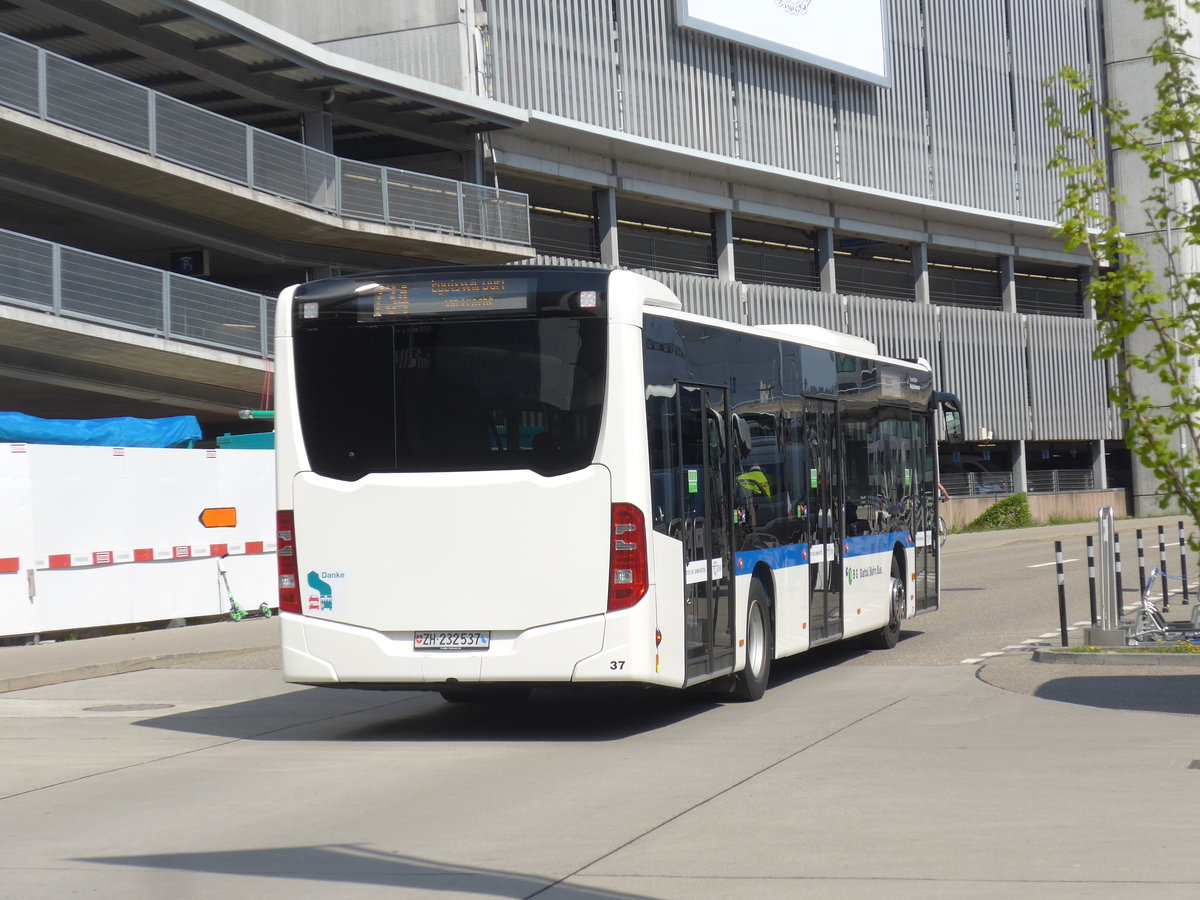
823, 508
705, 484
925, 525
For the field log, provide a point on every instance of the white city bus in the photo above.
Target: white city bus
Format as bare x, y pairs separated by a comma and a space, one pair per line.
494, 478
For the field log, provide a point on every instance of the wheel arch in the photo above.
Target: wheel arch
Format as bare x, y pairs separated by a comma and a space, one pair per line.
764, 574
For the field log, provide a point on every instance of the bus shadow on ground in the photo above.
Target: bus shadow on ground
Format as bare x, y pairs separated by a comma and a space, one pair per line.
333, 864
1151, 693
550, 714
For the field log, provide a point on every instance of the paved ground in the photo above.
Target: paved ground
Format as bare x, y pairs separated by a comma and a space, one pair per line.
254, 644
850, 780
249, 644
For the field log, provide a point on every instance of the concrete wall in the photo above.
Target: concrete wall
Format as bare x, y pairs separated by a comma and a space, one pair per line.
427, 39
1043, 507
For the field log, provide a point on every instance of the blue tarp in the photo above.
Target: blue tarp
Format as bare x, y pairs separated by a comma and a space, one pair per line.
125, 431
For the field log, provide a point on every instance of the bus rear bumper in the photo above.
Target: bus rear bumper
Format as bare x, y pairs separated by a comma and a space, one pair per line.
323, 652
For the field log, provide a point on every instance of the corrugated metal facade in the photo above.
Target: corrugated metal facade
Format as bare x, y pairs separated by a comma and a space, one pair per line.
962, 122
1071, 388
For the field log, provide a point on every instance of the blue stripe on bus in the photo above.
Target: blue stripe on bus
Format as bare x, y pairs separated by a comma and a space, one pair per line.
797, 554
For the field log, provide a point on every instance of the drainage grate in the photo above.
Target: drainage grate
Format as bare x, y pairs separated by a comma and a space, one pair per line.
135, 707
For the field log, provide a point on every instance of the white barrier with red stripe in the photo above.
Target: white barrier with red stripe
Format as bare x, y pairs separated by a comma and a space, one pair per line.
95, 536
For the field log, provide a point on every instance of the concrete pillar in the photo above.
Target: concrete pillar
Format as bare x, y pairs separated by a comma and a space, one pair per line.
1008, 283
1085, 278
604, 200
920, 272
722, 240
318, 130
825, 264
1020, 478
318, 134
1099, 467
473, 163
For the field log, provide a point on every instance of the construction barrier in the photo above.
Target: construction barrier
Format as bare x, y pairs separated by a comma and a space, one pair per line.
99, 536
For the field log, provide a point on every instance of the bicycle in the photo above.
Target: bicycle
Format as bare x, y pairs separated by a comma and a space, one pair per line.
943, 533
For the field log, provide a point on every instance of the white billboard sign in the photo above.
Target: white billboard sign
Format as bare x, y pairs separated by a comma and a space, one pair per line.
846, 36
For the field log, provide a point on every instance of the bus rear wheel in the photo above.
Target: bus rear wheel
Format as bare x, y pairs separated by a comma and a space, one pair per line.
887, 637
751, 682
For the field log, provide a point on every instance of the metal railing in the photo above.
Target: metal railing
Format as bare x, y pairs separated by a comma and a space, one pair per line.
1054, 481
974, 484
80, 285
1050, 481
62, 91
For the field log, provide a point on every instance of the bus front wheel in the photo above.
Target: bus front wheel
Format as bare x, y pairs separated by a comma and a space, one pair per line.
887, 636
751, 682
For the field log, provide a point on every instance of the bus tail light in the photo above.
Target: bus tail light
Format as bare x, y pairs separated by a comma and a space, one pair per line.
285, 557
628, 569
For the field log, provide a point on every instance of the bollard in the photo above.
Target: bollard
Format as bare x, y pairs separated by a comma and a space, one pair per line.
1183, 563
1162, 568
1117, 563
1062, 592
1091, 553
1109, 633
1141, 564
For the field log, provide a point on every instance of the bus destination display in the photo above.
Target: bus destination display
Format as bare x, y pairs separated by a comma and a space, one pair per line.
450, 296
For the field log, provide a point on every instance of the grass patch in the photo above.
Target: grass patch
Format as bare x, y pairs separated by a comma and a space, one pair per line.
1176, 647
1065, 520
1011, 512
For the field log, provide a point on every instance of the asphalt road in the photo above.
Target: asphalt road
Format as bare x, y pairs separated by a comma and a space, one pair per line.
904, 773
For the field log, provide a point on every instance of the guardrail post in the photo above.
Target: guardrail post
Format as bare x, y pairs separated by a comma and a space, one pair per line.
166, 304
1109, 632
337, 184
1117, 566
151, 123
462, 219
56, 278
387, 204
264, 339
1183, 563
1162, 568
1062, 592
1141, 563
249, 156
43, 101
1091, 563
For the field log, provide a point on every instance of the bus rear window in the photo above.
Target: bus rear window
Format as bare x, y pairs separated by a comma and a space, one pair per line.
451, 395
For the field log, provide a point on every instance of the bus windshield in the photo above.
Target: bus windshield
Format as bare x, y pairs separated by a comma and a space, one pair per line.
451, 395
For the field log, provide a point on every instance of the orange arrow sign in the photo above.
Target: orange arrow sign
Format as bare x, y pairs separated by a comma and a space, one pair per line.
219, 517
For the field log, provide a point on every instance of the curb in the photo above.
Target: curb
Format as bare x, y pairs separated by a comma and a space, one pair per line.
1109, 658
100, 670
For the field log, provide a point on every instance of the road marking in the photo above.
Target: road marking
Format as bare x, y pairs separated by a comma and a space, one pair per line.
970, 661
992, 653
1049, 634
1043, 565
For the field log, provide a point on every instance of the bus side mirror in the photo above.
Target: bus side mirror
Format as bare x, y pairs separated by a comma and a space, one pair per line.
954, 426
951, 416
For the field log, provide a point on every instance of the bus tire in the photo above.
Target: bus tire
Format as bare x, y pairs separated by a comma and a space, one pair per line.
751, 682
887, 637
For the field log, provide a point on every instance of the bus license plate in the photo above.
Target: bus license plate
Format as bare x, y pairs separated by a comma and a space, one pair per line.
452, 640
